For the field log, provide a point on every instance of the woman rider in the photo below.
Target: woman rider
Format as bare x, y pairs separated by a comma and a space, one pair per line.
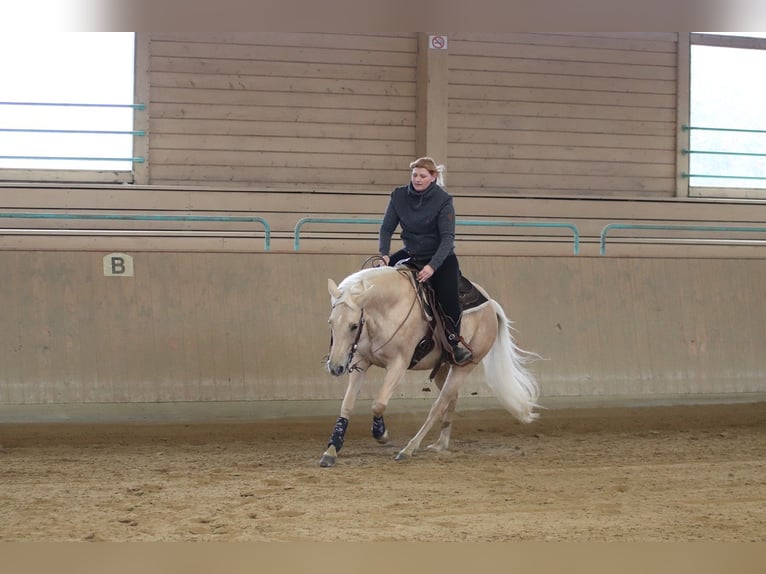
427, 217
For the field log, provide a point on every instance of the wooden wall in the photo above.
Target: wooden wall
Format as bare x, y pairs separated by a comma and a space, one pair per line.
563, 114
509, 114
285, 110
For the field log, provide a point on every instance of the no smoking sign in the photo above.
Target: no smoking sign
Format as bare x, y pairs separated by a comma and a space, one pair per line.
437, 42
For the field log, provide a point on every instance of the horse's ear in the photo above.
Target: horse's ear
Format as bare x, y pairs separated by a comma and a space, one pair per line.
333, 288
365, 294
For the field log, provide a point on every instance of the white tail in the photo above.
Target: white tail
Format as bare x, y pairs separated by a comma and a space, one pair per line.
506, 372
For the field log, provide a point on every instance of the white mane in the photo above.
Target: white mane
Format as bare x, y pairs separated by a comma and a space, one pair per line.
357, 282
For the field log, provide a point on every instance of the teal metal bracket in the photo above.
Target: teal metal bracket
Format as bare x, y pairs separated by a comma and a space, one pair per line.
466, 222
712, 228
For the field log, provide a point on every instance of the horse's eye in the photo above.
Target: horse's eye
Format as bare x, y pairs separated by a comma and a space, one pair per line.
354, 327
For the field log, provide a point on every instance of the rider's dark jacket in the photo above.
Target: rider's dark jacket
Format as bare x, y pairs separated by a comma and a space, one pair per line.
428, 223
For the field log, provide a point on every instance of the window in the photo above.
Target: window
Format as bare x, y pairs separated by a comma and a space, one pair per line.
727, 127
66, 106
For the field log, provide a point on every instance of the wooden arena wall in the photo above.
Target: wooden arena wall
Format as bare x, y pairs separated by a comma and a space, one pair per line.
573, 114
563, 114
284, 110
231, 327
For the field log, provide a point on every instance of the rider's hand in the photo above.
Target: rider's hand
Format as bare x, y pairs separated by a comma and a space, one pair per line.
425, 273
385, 259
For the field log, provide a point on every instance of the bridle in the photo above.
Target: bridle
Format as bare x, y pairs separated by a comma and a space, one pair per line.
354, 345
358, 336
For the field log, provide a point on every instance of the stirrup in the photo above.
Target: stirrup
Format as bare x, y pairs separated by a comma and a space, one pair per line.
461, 355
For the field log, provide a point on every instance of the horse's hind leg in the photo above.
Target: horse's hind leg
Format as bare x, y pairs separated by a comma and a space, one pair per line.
447, 397
442, 443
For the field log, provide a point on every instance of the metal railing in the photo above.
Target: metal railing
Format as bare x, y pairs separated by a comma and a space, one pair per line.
688, 151
62, 158
143, 217
466, 222
648, 226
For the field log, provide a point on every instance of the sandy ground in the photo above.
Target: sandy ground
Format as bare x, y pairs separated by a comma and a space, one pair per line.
682, 473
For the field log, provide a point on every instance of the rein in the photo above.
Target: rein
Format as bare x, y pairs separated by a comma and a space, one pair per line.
414, 300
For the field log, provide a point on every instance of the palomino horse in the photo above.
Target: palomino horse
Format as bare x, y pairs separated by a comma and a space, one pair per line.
377, 319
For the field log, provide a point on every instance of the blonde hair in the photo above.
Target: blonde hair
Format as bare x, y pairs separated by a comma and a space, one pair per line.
430, 165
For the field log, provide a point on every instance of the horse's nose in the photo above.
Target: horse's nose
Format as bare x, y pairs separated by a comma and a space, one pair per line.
335, 370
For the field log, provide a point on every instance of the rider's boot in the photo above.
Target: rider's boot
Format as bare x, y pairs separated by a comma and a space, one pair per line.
459, 352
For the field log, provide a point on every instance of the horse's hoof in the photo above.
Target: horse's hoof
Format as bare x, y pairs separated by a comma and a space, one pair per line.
402, 456
329, 457
383, 439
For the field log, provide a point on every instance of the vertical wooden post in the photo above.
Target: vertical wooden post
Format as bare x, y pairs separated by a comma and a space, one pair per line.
431, 123
141, 95
683, 87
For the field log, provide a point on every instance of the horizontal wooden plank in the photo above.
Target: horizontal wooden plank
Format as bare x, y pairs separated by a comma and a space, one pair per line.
562, 96
335, 55
560, 82
246, 175
531, 188
183, 96
241, 128
512, 168
500, 136
552, 110
576, 125
161, 142
357, 159
622, 36
71, 176
237, 82
160, 64
480, 151
460, 62
567, 53
180, 181
404, 42
637, 41
580, 183
234, 113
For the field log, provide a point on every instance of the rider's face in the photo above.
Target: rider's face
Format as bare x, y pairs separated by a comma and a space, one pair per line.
421, 178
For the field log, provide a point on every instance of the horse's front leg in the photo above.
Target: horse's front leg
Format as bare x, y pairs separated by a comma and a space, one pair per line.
393, 377
355, 380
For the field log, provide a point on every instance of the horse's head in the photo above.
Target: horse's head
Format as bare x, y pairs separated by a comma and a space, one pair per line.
346, 323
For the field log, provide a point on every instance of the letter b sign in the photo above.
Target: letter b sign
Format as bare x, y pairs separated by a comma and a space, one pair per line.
118, 265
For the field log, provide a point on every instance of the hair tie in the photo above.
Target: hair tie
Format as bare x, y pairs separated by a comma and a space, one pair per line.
440, 175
